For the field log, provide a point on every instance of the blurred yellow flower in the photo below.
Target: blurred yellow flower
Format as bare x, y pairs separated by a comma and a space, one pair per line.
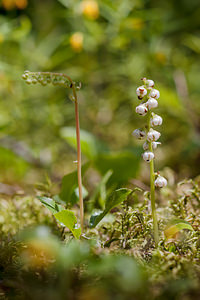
11, 4
21, 4
160, 57
90, 9
76, 41
8, 4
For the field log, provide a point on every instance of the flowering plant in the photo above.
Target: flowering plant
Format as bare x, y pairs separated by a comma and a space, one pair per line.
149, 96
60, 79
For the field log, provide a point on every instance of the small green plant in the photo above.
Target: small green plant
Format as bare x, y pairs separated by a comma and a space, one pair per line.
63, 80
148, 95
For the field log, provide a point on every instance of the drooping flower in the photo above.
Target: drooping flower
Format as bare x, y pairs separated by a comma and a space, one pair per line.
153, 135
148, 156
139, 133
160, 181
149, 83
141, 92
141, 109
156, 120
154, 94
151, 103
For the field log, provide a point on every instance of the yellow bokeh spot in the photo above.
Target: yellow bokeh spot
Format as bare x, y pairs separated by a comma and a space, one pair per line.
21, 4
160, 57
90, 9
11, 4
8, 4
137, 23
76, 41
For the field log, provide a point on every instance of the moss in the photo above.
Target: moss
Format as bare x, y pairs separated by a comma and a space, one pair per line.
20, 212
117, 260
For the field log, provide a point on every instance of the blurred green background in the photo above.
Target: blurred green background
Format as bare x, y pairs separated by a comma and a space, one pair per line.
108, 46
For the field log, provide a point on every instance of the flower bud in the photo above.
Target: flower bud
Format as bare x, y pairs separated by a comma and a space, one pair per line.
44, 82
141, 109
151, 103
28, 81
141, 92
154, 94
160, 182
139, 134
34, 81
148, 156
40, 79
156, 120
25, 76
149, 83
48, 79
153, 135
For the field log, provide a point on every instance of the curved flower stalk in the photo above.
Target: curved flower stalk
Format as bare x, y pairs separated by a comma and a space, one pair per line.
65, 81
149, 96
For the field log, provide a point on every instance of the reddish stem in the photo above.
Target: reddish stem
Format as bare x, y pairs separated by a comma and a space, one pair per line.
79, 163
78, 141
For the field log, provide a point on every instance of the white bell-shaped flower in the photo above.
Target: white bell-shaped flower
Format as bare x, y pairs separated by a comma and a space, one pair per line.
149, 83
160, 181
141, 92
141, 109
148, 156
156, 120
139, 133
152, 103
153, 135
154, 94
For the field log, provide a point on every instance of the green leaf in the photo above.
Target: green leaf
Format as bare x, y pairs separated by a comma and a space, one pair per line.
69, 184
68, 218
112, 201
96, 218
175, 226
101, 189
50, 204
90, 145
124, 164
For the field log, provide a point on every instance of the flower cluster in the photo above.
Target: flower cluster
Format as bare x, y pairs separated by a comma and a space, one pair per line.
45, 78
149, 96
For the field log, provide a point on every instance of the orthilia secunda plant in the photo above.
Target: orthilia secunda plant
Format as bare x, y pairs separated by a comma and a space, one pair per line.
63, 80
149, 100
